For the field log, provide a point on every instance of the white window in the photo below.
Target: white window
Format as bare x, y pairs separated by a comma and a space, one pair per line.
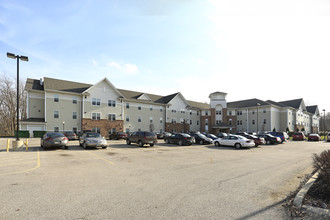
139, 119
127, 118
96, 101
150, 119
56, 114
56, 129
96, 116
139, 107
112, 103
56, 98
112, 117
127, 104
206, 122
161, 120
97, 130
173, 120
74, 100
74, 115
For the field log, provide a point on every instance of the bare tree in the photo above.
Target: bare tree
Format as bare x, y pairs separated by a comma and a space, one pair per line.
8, 94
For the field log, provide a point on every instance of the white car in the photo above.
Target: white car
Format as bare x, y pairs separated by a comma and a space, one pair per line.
328, 137
235, 141
91, 139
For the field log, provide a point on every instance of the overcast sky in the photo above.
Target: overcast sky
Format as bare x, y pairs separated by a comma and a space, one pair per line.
274, 49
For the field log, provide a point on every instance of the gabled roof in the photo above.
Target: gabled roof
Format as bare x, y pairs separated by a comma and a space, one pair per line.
275, 103
198, 105
295, 103
169, 98
33, 84
246, 103
313, 109
109, 83
64, 86
144, 97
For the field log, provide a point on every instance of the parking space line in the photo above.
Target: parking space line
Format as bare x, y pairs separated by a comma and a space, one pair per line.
102, 158
28, 170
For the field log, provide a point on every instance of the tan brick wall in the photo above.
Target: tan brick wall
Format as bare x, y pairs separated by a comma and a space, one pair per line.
103, 124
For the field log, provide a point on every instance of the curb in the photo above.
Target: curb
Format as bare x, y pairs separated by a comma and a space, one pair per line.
316, 212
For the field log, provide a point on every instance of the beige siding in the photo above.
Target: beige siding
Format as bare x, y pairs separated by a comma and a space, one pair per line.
147, 112
65, 108
36, 106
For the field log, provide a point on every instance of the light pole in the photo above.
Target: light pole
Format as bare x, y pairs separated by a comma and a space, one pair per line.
324, 123
63, 125
24, 58
258, 104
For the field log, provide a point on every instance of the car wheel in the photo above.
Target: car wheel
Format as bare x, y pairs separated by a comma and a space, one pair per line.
128, 142
257, 145
217, 143
167, 141
104, 147
238, 146
151, 145
200, 142
66, 147
140, 144
84, 145
268, 142
180, 143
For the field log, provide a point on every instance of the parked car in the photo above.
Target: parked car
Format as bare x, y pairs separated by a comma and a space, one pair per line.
298, 136
80, 133
180, 139
328, 137
142, 138
270, 139
54, 139
117, 135
92, 139
235, 141
70, 135
212, 136
201, 138
257, 140
283, 135
314, 137
221, 135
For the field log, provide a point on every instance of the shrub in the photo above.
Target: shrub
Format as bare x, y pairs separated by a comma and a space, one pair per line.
322, 164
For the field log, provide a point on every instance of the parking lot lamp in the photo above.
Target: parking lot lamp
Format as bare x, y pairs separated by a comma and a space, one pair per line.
258, 104
24, 58
63, 125
324, 123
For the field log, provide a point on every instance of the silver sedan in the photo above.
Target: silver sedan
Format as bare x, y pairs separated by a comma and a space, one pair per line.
92, 139
54, 139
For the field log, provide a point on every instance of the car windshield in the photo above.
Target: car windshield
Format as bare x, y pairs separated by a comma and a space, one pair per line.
201, 135
69, 133
212, 135
185, 135
269, 135
253, 136
54, 135
93, 135
150, 134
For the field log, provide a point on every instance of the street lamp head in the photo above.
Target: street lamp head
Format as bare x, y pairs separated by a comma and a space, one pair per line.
24, 58
258, 104
11, 55
63, 122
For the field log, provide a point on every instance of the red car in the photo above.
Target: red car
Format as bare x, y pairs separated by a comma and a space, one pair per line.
118, 135
257, 140
298, 136
314, 137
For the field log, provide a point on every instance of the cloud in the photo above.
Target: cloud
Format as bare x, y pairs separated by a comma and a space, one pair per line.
125, 68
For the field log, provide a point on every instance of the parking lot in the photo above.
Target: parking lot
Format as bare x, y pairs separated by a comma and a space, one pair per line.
161, 182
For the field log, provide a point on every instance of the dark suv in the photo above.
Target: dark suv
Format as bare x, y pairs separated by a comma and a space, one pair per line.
142, 138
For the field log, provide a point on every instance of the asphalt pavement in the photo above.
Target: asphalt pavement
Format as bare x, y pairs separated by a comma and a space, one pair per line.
161, 182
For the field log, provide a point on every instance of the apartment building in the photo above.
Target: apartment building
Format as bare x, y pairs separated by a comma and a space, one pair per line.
58, 105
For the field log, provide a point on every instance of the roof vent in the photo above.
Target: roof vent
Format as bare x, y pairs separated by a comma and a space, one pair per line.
41, 81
